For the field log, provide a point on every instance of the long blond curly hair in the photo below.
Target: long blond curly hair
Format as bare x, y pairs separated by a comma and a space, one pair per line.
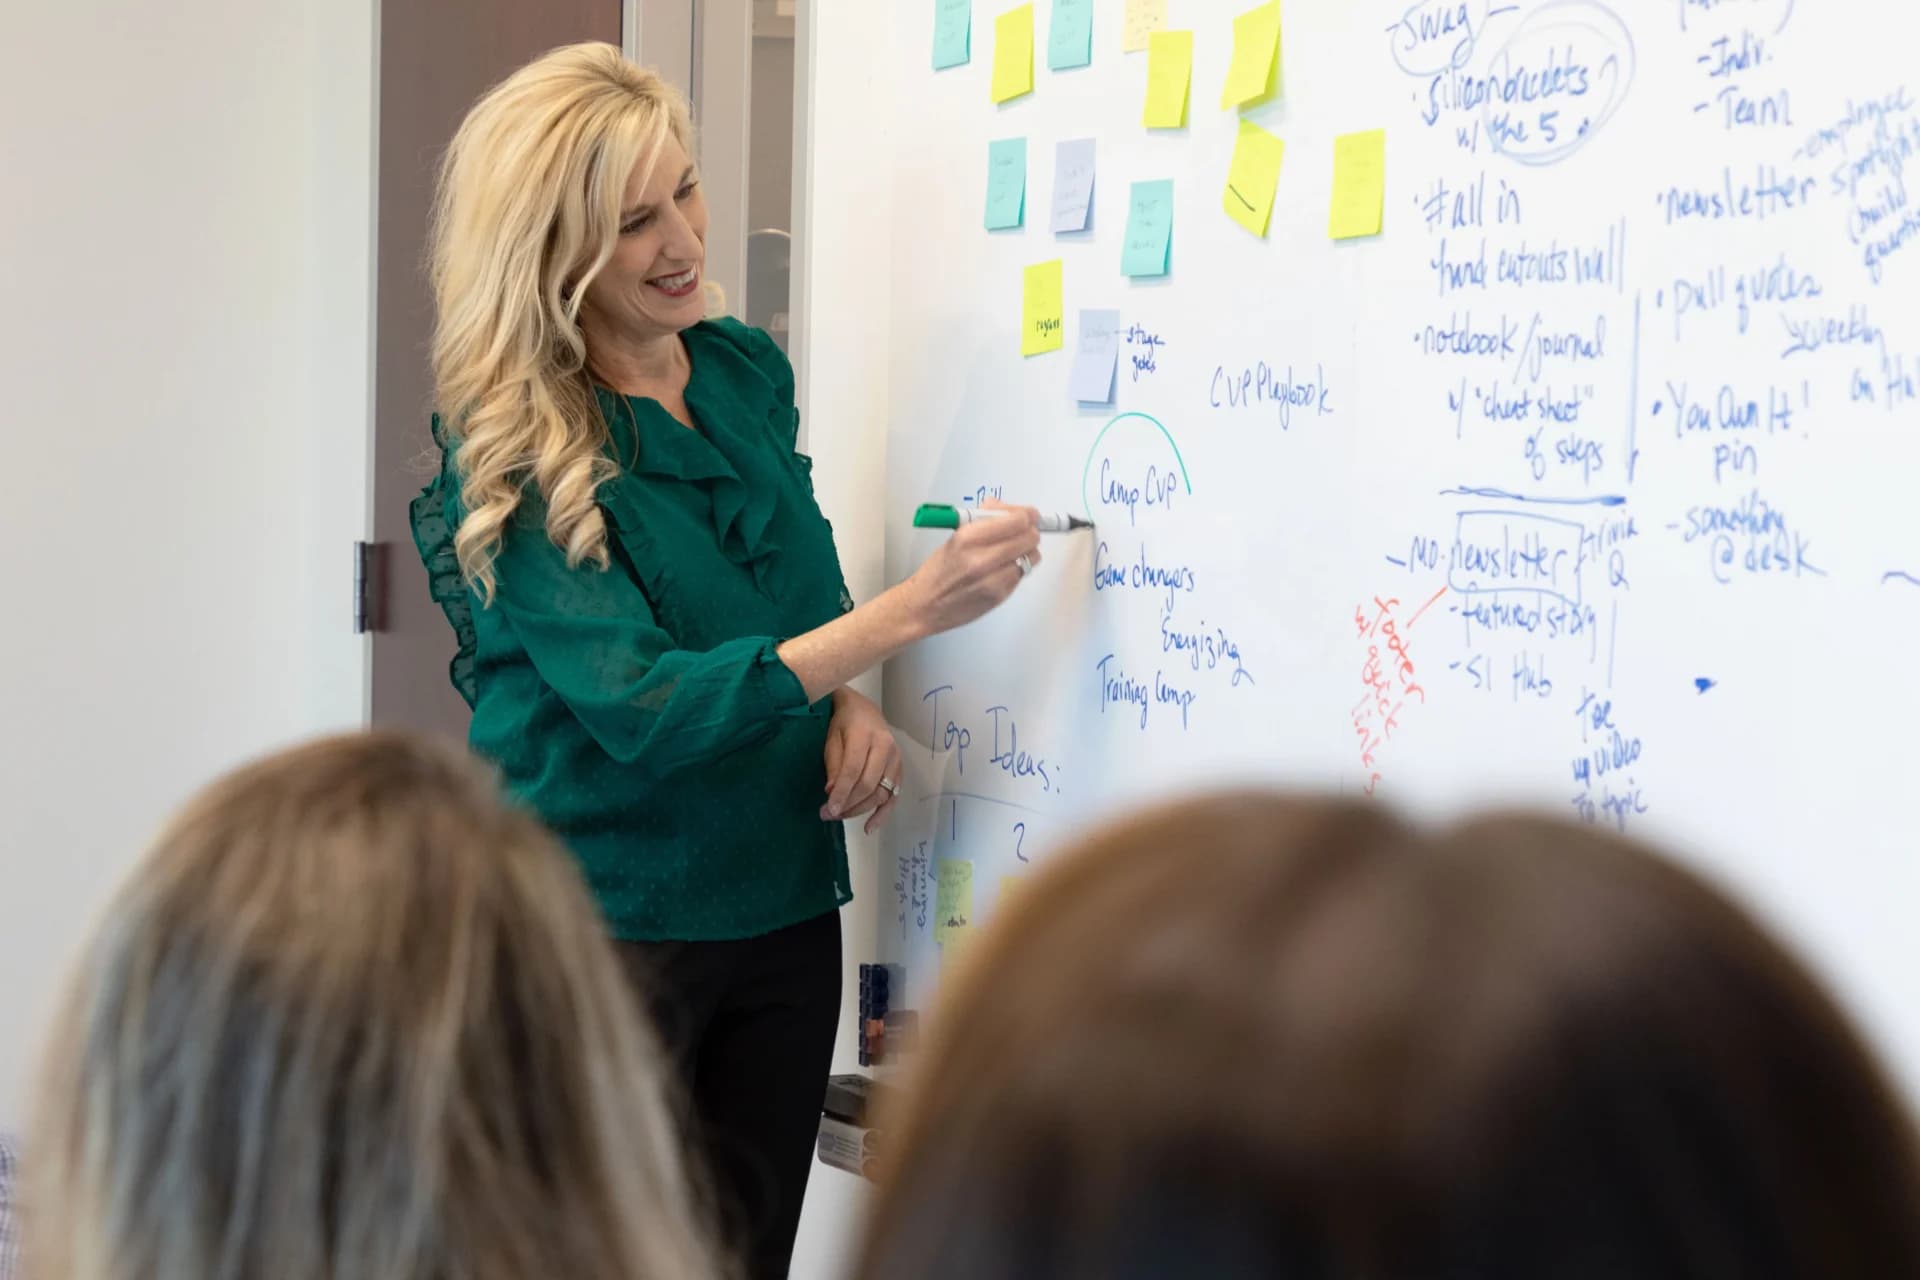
526, 215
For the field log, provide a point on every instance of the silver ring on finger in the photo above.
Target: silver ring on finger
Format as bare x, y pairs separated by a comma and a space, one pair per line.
891, 787
1024, 564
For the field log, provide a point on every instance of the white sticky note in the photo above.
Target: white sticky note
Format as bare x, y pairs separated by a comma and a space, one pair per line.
1096, 357
1072, 185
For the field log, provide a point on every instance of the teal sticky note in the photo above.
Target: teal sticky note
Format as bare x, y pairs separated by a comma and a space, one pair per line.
952, 33
1149, 229
1006, 184
1070, 35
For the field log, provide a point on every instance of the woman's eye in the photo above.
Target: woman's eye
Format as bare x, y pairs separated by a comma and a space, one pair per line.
636, 224
686, 191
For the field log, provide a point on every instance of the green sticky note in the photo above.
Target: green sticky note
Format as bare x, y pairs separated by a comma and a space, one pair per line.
952, 899
1006, 183
1013, 53
1169, 72
952, 33
1070, 35
1252, 178
1149, 237
1043, 309
1359, 184
1254, 74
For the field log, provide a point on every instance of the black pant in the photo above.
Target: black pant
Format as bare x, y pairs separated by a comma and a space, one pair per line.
750, 1027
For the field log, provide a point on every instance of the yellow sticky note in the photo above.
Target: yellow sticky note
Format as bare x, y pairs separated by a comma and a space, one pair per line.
1254, 75
1359, 184
1142, 19
953, 899
1253, 176
1013, 53
1169, 72
1043, 309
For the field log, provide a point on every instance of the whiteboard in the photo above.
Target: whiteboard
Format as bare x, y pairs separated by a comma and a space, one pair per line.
1584, 486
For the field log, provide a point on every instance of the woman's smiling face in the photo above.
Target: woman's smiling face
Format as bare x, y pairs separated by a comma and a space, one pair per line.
651, 287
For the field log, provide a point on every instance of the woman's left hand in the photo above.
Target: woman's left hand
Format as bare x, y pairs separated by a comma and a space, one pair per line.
861, 757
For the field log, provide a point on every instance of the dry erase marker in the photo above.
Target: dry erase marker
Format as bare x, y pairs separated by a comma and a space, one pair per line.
937, 515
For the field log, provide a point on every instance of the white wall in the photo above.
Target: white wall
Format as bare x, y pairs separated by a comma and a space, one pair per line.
843, 238
185, 259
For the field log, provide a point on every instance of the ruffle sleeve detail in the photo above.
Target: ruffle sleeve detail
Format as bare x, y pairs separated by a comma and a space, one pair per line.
434, 515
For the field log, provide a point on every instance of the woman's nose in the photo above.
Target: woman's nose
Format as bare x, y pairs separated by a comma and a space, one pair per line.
682, 243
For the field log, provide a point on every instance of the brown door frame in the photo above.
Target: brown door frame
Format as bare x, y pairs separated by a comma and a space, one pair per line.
435, 58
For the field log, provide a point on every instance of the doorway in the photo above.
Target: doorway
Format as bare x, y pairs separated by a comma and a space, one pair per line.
735, 61
436, 58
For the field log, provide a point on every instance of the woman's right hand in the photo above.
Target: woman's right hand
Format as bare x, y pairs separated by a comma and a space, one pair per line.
975, 570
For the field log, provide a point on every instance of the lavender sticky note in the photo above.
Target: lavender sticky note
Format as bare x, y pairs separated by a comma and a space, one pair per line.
1096, 357
1072, 185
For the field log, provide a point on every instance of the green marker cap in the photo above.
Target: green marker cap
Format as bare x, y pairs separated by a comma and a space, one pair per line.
936, 515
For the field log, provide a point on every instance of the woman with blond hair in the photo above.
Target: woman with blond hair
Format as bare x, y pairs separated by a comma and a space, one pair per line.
652, 627
1252, 1036
351, 1019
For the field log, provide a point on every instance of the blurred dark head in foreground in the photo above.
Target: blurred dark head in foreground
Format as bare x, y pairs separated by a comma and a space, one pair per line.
1260, 1036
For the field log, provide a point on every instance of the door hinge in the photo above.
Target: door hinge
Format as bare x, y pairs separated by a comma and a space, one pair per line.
369, 587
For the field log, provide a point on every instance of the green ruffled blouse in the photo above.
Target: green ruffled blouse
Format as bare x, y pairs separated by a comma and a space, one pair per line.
642, 710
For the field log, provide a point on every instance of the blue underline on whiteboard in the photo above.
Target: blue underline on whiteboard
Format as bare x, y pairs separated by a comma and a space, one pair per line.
1399, 563
971, 795
1503, 495
1898, 575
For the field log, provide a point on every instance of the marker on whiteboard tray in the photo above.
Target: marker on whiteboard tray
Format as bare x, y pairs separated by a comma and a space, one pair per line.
938, 515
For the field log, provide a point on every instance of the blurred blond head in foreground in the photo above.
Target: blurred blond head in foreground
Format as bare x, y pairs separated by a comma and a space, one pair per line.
354, 1016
